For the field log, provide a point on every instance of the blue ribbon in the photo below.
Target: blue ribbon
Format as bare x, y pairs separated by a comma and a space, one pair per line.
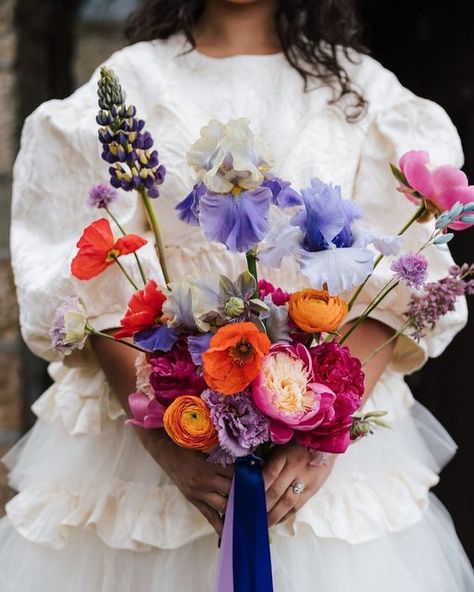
252, 568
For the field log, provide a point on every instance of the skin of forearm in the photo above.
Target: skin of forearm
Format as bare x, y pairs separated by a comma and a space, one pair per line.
365, 339
118, 363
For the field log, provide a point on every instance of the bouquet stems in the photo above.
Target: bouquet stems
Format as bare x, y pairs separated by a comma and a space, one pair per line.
92, 331
153, 220
387, 342
420, 211
251, 257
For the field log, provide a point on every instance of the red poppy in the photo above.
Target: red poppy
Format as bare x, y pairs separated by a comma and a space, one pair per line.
98, 249
145, 309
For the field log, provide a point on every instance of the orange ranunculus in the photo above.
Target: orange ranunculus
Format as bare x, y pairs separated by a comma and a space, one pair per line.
234, 357
98, 249
315, 311
188, 423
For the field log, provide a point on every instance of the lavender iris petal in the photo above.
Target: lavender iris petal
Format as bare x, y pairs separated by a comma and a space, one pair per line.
156, 339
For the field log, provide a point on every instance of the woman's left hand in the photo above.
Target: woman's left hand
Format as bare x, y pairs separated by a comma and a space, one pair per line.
285, 466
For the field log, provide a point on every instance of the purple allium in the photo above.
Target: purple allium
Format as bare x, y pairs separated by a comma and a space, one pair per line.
438, 299
411, 269
101, 195
241, 427
68, 329
125, 144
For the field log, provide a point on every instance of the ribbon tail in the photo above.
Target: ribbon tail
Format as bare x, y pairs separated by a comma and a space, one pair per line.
225, 576
252, 568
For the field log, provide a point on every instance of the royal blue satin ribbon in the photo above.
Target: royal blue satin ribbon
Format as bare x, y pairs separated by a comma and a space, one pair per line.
252, 568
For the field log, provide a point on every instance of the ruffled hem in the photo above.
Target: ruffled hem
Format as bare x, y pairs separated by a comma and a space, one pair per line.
80, 399
129, 516
133, 516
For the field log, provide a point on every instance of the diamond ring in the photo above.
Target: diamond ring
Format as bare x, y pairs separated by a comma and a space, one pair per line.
298, 487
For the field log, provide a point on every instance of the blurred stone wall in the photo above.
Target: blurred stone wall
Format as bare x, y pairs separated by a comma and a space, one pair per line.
10, 354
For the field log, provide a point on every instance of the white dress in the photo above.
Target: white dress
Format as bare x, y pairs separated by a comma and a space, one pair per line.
94, 512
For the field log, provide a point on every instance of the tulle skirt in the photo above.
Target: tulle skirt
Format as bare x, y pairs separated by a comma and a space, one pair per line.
94, 512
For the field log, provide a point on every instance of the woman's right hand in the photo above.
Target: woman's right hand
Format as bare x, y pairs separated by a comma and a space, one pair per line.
205, 485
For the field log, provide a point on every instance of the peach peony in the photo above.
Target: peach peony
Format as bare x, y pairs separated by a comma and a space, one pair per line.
315, 311
188, 423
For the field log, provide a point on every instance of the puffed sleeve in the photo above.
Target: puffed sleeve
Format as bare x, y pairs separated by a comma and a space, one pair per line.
403, 122
58, 162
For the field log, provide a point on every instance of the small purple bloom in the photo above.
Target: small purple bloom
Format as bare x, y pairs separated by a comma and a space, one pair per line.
412, 269
102, 195
241, 427
283, 195
160, 338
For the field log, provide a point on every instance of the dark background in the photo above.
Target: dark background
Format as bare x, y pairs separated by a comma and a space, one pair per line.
429, 45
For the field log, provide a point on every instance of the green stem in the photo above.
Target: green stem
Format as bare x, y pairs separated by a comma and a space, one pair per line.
387, 342
124, 271
251, 257
372, 306
153, 220
122, 230
92, 331
420, 211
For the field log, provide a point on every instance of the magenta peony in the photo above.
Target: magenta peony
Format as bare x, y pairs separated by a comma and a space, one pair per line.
335, 367
173, 374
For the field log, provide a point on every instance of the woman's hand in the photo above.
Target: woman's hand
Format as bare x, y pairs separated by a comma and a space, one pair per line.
205, 485
286, 465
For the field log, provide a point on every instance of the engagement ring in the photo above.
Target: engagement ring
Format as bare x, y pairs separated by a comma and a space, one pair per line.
298, 487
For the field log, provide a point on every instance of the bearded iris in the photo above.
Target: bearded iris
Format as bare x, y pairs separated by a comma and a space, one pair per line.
326, 239
232, 196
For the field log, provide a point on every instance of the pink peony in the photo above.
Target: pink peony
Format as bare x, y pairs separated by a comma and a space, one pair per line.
173, 374
442, 186
279, 298
285, 390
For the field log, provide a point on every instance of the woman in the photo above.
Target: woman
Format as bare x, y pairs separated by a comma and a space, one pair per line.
104, 506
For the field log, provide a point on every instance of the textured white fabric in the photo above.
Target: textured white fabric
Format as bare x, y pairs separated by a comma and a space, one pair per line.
87, 487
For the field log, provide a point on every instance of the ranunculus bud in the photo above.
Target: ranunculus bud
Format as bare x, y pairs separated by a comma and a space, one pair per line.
315, 311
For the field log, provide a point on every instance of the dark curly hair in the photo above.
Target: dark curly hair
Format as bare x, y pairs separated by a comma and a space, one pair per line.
312, 34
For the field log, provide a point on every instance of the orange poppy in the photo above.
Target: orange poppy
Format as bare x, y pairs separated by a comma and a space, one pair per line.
234, 357
98, 249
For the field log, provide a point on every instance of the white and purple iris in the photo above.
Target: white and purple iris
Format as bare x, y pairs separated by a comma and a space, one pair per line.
330, 246
231, 200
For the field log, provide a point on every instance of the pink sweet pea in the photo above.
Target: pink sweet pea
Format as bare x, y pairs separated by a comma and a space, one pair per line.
286, 392
442, 186
147, 413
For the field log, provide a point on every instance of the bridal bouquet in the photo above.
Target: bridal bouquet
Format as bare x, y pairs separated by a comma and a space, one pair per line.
233, 366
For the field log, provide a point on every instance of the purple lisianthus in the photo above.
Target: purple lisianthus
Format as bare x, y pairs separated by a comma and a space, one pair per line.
411, 269
241, 427
102, 195
174, 374
125, 143
438, 299
68, 329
